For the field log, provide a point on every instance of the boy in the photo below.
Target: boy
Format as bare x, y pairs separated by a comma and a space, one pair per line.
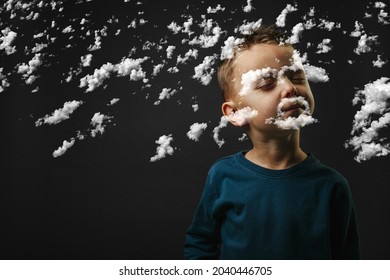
274, 201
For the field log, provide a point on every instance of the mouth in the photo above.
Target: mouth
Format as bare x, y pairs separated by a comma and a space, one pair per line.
293, 107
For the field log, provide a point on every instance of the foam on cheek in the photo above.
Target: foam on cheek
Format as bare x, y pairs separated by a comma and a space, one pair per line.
241, 116
292, 123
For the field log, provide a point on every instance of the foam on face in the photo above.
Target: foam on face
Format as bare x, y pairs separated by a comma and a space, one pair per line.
250, 78
292, 123
241, 116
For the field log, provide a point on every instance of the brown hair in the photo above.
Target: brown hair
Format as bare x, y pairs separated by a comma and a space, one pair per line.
262, 35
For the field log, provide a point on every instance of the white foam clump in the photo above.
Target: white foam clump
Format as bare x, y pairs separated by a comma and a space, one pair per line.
164, 147
316, 74
7, 40
65, 146
281, 19
292, 123
61, 114
248, 79
127, 67
296, 33
241, 116
98, 122
223, 123
365, 131
196, 131
204, 71
248, 28
248, 8
3, 81
230, 47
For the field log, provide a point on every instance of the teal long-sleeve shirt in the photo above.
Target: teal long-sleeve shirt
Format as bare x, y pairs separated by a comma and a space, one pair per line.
250, 212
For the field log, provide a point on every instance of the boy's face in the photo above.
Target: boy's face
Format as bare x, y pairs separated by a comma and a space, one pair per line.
273, 75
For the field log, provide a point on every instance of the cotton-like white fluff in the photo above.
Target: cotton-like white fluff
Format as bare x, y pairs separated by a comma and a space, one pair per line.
28, 70
164, 147
248, 8
292, 123
382, 17
98, 123
68, 29
207, 40
65, 146
97, 44
379, 5
3, 81
127, 67
6, 41
379, 62
248, 79
281, 19
196, 131
358, 30
86, 60
187, 26
61, 114
190, 53
364, 44
223, 123
132, 67
324, 47
215, 10
169, 51
328, 25
32, 66
204, 71
174, 27
157, 69
38, 47
296, 33
166, 93
315, 74
114, 101
365, 139
230, 46
97, 78
248, 28
241, 116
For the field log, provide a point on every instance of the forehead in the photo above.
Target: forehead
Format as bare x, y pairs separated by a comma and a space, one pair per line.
262, 56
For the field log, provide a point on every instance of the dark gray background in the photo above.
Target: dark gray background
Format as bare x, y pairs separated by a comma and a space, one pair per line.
104, 199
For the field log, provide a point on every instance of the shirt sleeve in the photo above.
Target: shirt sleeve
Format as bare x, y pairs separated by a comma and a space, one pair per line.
344, 229
203, 236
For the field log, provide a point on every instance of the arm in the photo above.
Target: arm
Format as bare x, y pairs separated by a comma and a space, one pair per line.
344, 230
203, 235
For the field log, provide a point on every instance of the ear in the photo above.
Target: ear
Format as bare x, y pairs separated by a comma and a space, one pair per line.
228, 109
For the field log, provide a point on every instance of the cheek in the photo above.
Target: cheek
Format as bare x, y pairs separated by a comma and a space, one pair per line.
311, 102
264, 105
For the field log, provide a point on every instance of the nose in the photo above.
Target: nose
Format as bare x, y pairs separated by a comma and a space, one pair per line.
288, 88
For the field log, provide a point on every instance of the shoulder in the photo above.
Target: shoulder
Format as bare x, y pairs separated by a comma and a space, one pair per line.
325, 172
227, 163
225, 167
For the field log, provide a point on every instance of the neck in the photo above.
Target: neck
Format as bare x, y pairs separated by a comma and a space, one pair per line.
276, 152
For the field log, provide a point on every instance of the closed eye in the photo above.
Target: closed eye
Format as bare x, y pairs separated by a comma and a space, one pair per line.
297, 77
266, 83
